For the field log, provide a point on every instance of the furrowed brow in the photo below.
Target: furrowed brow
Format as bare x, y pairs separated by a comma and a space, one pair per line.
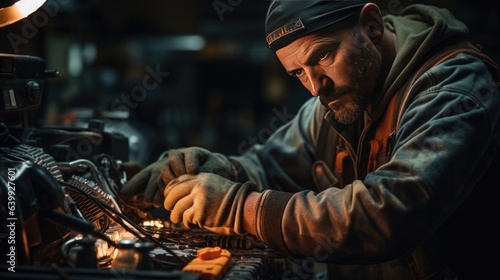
316, 48
312, 51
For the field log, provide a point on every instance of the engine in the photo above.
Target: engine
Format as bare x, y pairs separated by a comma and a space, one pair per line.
61, 214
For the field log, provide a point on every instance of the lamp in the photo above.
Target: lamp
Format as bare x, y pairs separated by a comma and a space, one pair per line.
21, 76
14, 10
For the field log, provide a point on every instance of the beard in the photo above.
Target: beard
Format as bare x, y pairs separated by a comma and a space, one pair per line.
346, 112
349, 102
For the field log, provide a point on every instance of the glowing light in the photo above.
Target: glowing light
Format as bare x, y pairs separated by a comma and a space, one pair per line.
19, 10
153, 223
26, 7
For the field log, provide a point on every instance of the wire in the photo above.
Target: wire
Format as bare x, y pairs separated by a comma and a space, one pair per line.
112, 213
146, 236
116, 172
145, 233
99, 179
113, 167
107, 209
70, 243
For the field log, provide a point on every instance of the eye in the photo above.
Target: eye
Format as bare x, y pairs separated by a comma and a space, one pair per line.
297, 73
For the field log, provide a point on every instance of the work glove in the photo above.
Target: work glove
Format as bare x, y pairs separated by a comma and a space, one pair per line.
207, 201
148, 185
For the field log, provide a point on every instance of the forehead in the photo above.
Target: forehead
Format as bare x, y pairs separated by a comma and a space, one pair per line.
303, 46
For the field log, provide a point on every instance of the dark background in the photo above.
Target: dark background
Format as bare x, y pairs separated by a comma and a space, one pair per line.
224, 89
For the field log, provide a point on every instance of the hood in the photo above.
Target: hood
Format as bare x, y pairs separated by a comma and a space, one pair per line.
419, 29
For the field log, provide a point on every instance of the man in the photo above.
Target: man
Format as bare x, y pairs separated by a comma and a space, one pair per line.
401, 182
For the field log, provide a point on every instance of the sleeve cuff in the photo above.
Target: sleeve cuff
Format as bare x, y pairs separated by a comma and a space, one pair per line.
269, 216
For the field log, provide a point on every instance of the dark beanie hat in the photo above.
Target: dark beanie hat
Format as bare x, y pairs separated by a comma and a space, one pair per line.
287, 20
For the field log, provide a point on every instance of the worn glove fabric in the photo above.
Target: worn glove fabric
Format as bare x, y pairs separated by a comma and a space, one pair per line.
207, 201
150, 183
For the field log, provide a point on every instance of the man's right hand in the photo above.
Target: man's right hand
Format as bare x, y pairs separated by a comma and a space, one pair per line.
150, 183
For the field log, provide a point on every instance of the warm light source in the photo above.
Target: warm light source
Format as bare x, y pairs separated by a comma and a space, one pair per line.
12, 11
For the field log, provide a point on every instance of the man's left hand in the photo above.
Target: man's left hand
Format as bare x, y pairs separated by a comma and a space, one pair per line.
207, 201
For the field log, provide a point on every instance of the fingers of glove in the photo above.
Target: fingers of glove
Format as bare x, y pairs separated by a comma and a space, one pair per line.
176, 164
167, 175
195, 158
193, 217
177, 211
151, 189
218, 164
178, 189
135, 185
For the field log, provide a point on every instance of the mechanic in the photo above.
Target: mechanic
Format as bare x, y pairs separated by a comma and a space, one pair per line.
390, 170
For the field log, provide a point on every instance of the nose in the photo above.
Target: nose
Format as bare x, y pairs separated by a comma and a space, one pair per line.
316, 77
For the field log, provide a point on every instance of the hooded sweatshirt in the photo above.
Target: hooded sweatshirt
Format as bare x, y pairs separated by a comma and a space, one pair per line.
446, 148
419, 29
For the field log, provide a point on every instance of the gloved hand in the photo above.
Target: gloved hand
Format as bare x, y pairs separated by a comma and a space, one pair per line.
207, 201
148, 185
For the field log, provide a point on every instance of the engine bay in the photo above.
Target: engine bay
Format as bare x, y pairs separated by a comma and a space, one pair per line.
63, 216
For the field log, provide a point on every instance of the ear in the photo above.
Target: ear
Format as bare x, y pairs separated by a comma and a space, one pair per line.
371, 21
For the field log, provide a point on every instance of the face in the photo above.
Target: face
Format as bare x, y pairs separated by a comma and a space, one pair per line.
341, 67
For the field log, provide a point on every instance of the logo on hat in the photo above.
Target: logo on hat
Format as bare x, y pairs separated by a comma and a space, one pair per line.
284, 30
